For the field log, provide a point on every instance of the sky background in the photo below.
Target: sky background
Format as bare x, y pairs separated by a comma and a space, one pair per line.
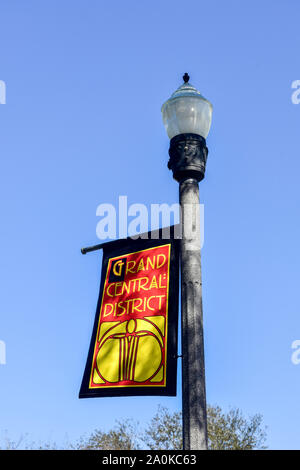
82, 125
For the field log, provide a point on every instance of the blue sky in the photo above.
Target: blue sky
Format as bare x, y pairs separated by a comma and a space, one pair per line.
82, 125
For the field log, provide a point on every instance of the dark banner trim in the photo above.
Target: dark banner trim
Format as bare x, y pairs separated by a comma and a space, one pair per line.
133, 349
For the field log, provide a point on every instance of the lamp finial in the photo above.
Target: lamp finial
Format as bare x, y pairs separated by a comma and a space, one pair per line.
186, 77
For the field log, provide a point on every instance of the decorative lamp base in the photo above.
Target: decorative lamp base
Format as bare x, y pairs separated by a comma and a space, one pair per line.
188, 155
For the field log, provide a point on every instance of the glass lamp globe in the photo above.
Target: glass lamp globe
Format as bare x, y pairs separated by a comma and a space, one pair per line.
187, 112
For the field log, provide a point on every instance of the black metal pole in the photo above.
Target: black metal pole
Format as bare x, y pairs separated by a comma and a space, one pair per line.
88, 249
188, 154
193, 369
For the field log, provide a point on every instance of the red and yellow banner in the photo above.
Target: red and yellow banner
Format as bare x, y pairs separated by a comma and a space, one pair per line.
132, 333
130, 346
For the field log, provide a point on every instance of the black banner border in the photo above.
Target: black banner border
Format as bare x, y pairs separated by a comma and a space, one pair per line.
118, 248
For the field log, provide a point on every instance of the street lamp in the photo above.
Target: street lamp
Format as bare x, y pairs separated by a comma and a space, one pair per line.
187, 119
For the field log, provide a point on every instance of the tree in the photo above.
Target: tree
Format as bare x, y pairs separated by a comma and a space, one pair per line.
124, 436
232, 431
226, 431
164, 431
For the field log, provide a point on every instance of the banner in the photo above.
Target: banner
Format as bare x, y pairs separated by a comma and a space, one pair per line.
133, 350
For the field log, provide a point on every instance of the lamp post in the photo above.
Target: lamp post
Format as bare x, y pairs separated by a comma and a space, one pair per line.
187, 119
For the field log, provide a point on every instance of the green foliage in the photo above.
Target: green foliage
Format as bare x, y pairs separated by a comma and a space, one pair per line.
226, 431
164, 431
124, 436
232, 431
